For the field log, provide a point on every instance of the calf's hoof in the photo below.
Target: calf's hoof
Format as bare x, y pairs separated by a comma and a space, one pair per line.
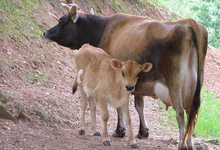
119, 133
82, 132
97, 134
134, 146
143, 134
107, 143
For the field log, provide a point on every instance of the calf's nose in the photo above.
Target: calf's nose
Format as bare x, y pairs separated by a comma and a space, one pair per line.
129, 87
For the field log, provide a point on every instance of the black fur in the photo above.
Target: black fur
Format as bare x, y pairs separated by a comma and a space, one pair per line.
87, 29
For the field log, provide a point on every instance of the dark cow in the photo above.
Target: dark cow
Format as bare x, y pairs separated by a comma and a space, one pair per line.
176, 49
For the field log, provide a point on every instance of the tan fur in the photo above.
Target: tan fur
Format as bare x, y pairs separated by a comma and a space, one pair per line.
102, 83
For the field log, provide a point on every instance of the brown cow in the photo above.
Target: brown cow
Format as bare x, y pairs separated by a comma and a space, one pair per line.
176, 49
104, 80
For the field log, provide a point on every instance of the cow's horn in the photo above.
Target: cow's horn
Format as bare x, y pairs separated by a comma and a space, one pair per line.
55, 17
66, 6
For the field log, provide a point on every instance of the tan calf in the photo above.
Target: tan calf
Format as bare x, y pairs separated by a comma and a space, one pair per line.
104, 80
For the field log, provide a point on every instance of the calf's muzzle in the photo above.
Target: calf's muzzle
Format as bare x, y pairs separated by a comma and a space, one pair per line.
129, 87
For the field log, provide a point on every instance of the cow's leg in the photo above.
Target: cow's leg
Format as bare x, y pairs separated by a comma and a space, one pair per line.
189, 141
120, 130
143, 130
126, 114
177, 103
83, 101
92, 108
105, 117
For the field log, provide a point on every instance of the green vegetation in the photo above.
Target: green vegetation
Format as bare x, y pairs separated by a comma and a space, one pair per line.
18, 21
206, 12
118, 6
42, 78
40, 113
209, 117
148, 4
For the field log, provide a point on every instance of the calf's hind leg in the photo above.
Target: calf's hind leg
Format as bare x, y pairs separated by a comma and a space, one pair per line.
92, 108
83, 102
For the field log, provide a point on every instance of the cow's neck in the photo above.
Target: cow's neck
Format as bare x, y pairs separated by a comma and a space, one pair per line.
97, 26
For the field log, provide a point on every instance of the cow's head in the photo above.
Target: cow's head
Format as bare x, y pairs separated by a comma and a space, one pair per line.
72, 29
128, 72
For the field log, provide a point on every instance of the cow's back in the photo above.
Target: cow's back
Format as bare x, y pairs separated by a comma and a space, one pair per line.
127, 36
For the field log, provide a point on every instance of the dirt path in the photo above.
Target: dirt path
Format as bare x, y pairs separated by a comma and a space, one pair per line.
45, 135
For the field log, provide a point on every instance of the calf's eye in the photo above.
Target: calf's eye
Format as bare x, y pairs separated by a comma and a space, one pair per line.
123, 74
138, 75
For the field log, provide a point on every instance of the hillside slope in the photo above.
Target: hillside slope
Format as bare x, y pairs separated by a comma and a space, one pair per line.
36, 77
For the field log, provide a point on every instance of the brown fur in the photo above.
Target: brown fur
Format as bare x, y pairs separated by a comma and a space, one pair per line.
166, 45
176, 49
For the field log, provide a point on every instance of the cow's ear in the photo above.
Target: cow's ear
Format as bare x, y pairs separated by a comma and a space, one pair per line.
69, 1
116, 64
146, 67
74, 13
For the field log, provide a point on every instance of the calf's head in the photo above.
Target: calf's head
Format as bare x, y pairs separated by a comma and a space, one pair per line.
128, 72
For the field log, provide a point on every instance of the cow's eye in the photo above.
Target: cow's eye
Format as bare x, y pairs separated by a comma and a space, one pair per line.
60, 21
138, 75
123, 74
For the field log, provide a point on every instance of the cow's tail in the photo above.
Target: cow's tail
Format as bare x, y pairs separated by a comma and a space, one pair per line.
75, 85
200, 39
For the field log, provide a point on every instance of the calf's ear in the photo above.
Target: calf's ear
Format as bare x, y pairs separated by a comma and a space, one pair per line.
74, 13
116, 64
146, 67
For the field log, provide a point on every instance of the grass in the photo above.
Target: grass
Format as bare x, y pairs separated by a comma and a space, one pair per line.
40, 112
42, 78
209, 116
18, 21
118, 6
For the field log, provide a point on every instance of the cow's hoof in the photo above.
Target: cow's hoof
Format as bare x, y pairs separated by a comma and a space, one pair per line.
82, 132
184, 147
190, 148
107, 143
134, 146
119, 133
143, 134
97, 134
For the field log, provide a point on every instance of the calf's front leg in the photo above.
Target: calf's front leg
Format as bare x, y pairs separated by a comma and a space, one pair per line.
105, 117
126, 114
